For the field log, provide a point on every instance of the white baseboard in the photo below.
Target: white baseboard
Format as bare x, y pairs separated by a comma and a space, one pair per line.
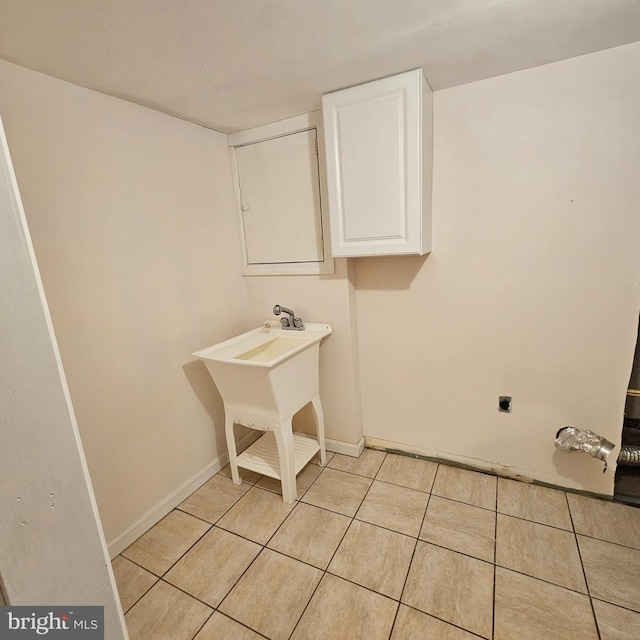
162, 508
345, 448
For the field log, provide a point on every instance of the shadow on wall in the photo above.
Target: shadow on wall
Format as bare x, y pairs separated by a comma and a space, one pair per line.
207, 393
388, 273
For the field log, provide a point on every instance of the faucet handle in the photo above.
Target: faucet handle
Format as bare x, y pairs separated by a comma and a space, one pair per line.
290, 321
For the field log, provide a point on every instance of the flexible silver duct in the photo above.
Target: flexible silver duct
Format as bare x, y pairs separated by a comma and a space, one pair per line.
572, 439
629, 456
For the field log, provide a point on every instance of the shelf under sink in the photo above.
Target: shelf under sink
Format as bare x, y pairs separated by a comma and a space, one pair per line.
262, 455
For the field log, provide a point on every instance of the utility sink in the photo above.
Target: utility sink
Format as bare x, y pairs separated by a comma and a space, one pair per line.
265, 376
266, 346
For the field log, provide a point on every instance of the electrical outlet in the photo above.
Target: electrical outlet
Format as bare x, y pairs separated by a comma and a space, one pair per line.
504, 404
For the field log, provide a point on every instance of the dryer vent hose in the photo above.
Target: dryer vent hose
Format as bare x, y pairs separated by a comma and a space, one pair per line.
572, 439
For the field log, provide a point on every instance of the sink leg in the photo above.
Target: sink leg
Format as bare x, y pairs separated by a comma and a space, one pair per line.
319, 418
284, 438
231, 448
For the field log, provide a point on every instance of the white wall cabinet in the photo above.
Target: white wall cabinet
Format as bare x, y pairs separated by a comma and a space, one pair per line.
279, 179
378, 142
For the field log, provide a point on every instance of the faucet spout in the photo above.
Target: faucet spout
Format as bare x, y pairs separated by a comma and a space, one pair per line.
290, 323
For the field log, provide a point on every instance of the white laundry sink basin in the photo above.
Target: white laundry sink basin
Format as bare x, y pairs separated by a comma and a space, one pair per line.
265, 372
264, 377
266, 346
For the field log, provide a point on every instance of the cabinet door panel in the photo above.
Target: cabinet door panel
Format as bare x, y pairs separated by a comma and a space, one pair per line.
280, 199
373, 130
378, 145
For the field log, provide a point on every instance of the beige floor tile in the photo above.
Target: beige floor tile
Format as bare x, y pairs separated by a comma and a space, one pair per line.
272, 594
304, 480
615, 623
397, 508
220, 627
452, 587
405, 471
133, 581
533, 502
257, 515
341, 610
338, 491
214, 564
366, 465
472, 487
539, 551
529, 609
316, 459
214, 498
166, 613
165, 542
375, 558
612, 572
248, 476
604, 520
460, 527
411, 624
310, 534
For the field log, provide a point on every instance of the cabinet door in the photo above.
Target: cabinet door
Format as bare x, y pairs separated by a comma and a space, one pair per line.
279, 186
373, 138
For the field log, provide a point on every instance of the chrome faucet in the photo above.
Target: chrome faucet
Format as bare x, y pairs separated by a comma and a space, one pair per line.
290, 323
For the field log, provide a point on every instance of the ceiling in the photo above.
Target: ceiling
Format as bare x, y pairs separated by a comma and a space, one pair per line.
235, 64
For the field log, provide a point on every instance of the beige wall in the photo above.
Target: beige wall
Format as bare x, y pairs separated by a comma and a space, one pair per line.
133, 223
331, 299
532, 288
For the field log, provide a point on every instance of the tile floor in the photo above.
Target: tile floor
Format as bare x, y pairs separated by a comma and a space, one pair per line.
385, 547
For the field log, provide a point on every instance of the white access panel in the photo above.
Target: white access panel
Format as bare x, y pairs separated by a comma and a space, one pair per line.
280, 199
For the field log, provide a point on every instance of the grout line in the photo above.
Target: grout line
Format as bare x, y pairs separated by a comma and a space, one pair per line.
361, 586
495, 564
142, 595
447, 622
344, 535
242, 624
528, 575
264, 546
187, 551
617, 544
584, 572
233, 586
170, 584
613, 604
202, 625
326, 570
394, 484
415, 546
193, 516
306, 606
542, 524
